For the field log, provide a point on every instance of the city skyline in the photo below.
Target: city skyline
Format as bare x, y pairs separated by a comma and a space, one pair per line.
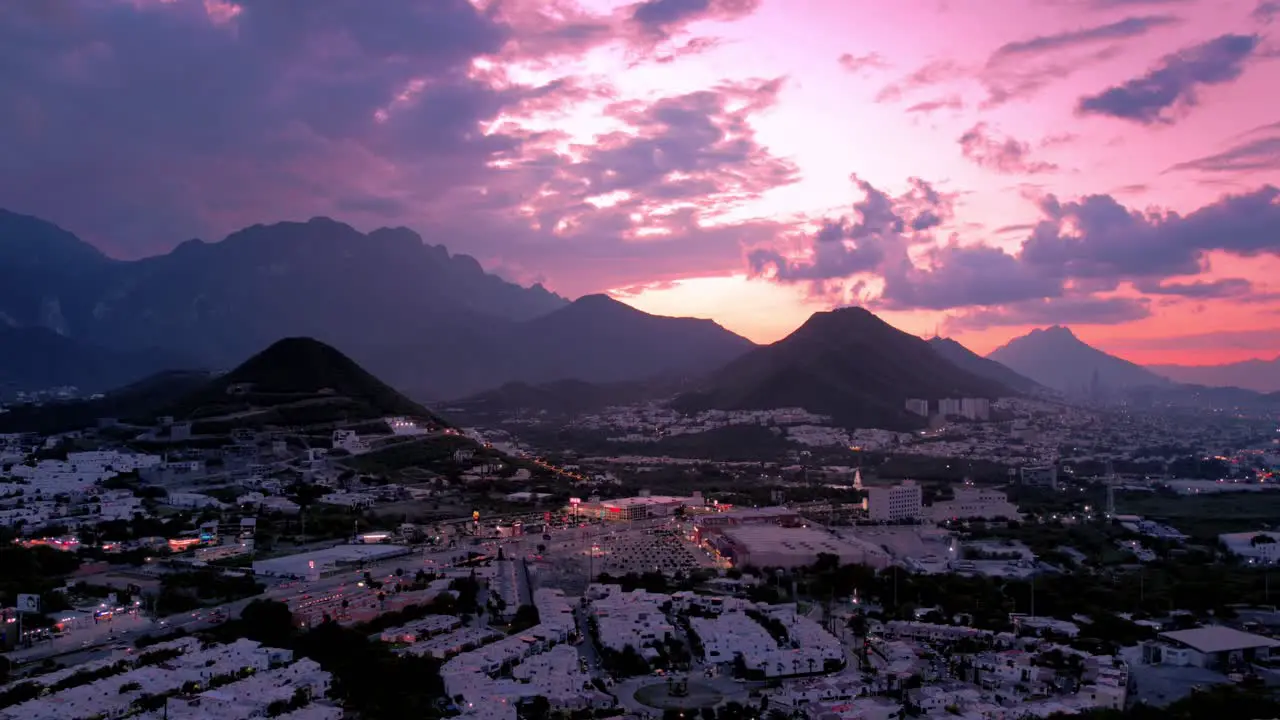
1102, 164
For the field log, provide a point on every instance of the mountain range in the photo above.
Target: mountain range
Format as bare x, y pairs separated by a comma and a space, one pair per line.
847, 364
432, 322
294, 382
1055, 358
440, 327
1257, 375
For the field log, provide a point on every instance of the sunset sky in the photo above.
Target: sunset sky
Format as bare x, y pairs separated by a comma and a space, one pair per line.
980, 168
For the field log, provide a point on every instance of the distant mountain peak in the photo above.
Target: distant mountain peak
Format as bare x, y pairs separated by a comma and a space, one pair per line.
293, 368
1055, 357
845, 363
26, 240
599, 300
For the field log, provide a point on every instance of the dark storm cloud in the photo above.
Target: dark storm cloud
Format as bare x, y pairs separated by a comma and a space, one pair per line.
1173, 83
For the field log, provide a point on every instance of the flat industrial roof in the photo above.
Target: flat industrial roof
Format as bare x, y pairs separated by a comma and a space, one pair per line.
1218, 638
300, 563
643, 500
803, 540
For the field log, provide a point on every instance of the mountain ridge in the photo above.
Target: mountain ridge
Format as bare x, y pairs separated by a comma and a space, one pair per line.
1257, 374
298, 374
965, 359
417, 315
222, 301
848, 364
1056, 358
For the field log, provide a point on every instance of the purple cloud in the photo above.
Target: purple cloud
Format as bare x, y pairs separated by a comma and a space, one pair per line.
1120, 30
662, 17
1265, 12
1004, 155
1173, 83
950, 102
882, 230
1114, 4
1070, 310
1066, 270
1022, 68
400, 113
1203, 289
1259, 154
858, 63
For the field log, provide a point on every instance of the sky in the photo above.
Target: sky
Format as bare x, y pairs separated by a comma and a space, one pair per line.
972, 169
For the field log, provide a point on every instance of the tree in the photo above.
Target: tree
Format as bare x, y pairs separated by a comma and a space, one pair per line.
268, 622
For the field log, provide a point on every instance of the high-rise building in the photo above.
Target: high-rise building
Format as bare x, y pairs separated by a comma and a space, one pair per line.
976, 408
918, 406
896, 502
948, 407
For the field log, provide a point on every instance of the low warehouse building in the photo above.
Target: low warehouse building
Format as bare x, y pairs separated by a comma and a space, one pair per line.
781, 547
1213, 646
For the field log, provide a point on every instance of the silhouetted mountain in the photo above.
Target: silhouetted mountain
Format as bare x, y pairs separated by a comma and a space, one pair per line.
971, 362
1056, 358
37, 358
303, 381
848, 364
139, 402
416, 315
220, 302
44, 269
563, 397
1260, 375
595, 339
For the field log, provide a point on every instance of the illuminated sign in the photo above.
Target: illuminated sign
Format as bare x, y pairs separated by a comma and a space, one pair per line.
575, 501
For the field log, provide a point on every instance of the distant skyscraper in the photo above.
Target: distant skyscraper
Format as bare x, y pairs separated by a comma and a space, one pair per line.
948, 407
919, 407
976, 408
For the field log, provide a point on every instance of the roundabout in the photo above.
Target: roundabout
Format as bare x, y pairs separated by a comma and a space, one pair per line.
680, 694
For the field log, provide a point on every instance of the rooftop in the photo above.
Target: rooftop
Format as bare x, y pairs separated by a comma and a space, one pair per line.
1217, 638
298, 565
